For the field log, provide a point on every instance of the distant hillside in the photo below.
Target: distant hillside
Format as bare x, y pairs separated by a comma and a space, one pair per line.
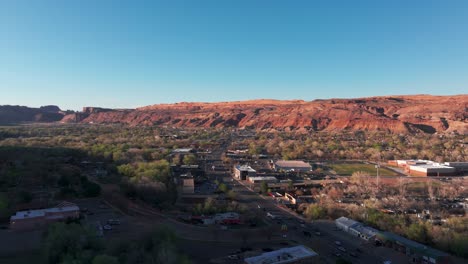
399, 114
16, 114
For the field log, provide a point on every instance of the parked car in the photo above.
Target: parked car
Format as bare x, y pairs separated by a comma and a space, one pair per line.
342, 249
338, 243
233, 257
107, 227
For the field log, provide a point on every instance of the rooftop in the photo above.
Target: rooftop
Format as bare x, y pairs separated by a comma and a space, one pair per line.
414, 245
346, 221
369, 231
433, 166
245, 168
43, 212
284, 255
182, 150
292, 163
264, 178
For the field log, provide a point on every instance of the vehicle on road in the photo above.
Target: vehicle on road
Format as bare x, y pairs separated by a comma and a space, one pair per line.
342, 249
272, 216
107, 227
338, 243
352, 254
307, 233
317, 233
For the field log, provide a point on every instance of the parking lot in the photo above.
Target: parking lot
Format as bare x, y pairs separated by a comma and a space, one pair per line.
106, 220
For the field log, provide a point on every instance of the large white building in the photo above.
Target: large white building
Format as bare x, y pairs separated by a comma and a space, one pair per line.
31, 219
292, 165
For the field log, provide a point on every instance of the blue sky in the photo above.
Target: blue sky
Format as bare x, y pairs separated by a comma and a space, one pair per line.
136, 53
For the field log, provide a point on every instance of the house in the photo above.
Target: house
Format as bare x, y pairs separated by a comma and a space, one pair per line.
241, 172
418, 253
292, 165
298, 255
345, 223
187, 183
32, 219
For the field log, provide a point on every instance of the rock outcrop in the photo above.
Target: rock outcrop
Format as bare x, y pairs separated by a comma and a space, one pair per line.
15, 114
399, 114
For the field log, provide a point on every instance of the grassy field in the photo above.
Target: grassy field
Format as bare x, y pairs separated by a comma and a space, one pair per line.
350, 168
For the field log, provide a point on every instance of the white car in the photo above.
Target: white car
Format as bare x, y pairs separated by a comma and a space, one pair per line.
338, 243
107, 227
233, 257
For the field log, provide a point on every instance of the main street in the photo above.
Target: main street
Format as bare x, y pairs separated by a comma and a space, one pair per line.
321, 236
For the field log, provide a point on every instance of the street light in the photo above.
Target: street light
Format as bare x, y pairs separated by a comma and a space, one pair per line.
377, 167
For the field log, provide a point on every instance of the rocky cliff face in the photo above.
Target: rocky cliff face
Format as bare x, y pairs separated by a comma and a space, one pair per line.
15, 114
400, 114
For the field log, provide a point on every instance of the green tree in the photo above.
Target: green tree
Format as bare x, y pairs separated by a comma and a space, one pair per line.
264, 188
105, 259
25, 196
419, 232
231, 195
459, 245
70, 243
126, 170
4, 205
223, 188
190, 159
91, 189
315, 211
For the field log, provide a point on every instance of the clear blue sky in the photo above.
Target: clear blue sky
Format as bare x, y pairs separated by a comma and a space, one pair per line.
136, 53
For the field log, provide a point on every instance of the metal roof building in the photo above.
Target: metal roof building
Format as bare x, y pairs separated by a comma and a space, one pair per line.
297, 254
292, 165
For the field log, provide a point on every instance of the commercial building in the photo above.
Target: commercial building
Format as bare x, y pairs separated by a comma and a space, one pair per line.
460, 167
418, 253
297, 255
260, 179
32, 219
292, 165
356, 228
345, 223
434, 169
426, 168
241, 172
365, 232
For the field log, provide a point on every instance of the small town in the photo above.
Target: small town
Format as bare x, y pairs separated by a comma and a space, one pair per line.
233, 132
255, 208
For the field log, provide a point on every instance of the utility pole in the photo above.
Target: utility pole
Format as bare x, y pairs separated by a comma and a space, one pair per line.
377, 167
